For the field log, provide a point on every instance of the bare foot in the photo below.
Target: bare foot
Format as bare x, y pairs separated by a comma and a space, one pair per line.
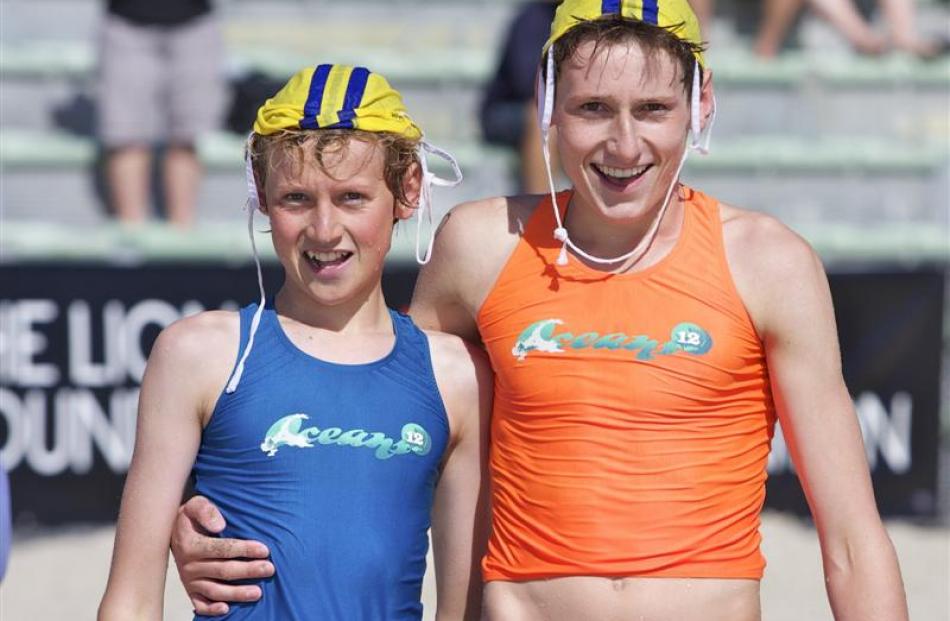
871, 44
923, 48
765, 50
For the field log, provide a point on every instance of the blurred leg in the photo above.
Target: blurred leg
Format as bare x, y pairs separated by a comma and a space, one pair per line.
704, 10
844, 16
182, 171
128, 96
777, 18
196, 94
127, 171
899, 15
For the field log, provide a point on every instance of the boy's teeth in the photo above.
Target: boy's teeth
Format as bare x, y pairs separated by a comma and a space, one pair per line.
621, 173
326, 257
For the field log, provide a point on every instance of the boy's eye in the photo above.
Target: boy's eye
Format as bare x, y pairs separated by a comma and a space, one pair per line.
295, 197
593, 106
655, 106
353, 197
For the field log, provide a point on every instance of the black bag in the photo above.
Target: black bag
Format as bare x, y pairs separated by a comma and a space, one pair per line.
248, 93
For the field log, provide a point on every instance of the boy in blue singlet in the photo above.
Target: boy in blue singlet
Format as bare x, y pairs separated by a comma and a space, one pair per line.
321, 423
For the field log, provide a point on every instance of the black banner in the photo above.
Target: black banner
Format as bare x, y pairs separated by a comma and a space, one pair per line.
890, 326
73, 344
74, 340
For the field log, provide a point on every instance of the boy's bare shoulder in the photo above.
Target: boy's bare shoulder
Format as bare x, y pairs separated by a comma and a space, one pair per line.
203, 335
197, 354
486, 228
201, 347
495, 215
762, 243
769, 263
474, 241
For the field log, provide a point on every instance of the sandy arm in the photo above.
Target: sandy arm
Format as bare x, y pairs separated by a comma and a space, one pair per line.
460, 510
784, 286
180, 385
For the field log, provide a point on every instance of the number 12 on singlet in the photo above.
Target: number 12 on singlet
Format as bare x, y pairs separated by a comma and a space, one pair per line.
692, 338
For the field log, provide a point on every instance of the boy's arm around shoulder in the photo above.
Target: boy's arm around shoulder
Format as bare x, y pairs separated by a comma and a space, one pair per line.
188, 367
460, 518
783, 284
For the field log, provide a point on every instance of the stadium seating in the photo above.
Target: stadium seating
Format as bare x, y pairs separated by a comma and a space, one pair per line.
850, 151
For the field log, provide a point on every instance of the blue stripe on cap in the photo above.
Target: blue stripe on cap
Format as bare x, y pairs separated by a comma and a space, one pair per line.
312, 107
353, 97
651, 13
609, 6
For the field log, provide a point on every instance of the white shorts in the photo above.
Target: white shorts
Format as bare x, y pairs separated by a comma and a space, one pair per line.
159, 83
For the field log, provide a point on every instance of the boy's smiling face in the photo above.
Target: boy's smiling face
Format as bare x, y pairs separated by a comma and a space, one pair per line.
331, 225
622, 120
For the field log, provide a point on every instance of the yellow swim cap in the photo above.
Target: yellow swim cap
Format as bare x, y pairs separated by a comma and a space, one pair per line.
336, 97
675, 15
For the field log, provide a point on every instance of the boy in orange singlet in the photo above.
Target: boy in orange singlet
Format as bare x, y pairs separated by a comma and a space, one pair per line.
645, 338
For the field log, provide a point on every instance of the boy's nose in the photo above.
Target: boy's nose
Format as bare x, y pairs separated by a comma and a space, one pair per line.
623, 142
325, 228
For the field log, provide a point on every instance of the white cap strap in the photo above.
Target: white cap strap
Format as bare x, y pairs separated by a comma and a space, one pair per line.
256, 321
429, 179
700, 137
253, 199
545, 112
252, 205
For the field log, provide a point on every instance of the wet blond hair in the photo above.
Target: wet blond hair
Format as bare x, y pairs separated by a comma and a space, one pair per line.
399, 153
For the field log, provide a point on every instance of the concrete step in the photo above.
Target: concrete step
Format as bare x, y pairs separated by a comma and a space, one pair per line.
46, 85
23, 242
68, 169
30, 19
805, 182
812, 94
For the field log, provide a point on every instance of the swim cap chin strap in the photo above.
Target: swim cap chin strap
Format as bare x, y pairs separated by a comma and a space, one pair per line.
697, 140
252, 204
429, 179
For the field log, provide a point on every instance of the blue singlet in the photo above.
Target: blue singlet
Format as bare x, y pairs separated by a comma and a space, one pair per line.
333, 467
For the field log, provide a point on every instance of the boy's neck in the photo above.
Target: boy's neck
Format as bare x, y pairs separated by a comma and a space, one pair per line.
366, 314
606, 239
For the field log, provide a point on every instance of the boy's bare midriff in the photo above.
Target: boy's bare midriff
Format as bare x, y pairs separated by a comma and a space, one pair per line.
588, 598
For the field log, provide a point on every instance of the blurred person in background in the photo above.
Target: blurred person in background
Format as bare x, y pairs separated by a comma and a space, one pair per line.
507, 111
161, 82
778, 16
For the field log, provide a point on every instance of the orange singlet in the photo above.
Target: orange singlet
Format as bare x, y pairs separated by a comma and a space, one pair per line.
632, 416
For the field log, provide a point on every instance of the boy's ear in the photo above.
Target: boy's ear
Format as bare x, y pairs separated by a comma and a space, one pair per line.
261, 196
412, 190
706, 99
